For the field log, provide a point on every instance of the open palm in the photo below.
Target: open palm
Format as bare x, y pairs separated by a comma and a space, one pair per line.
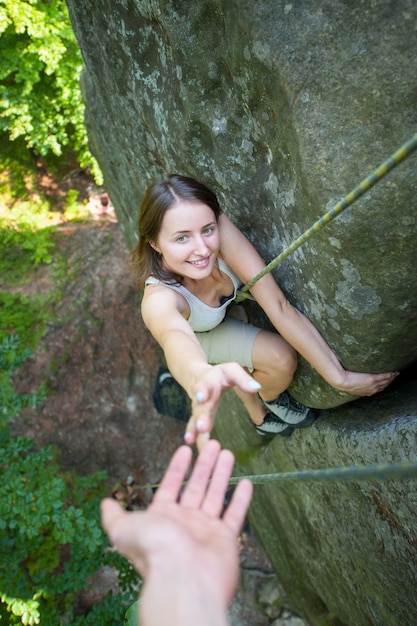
187, 526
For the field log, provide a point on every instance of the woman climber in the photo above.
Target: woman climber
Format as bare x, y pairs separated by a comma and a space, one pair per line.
191, 259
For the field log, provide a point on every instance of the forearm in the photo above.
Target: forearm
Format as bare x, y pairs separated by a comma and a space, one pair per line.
302, 335
185, 359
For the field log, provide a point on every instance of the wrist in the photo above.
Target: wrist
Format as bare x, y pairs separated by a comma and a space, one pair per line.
178, 590
199, 372
338, 379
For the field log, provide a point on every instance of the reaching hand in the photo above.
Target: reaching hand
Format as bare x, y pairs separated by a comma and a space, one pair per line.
213, 381
184, 545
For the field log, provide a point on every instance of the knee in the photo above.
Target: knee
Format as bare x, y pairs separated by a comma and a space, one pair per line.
290, 359
284, 358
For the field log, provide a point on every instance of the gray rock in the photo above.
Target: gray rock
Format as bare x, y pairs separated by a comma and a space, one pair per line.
344, 552
283, 108
270, 593
270, 597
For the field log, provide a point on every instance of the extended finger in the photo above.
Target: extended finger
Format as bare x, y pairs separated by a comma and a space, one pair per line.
122, 529
234, 516
197, 431
190, 431
383, 380
237, 376
175, 474
202, 440
214, 500
391, 376
200, 423
112, 517
196, 487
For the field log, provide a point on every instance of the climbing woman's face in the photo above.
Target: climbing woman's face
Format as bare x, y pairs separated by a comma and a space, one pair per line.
189, 239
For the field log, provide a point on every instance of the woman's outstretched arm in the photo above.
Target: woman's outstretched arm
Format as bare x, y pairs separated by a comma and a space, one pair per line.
204, 383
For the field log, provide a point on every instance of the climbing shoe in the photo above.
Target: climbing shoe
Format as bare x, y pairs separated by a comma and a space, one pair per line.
169, 397
273, 425
290, 411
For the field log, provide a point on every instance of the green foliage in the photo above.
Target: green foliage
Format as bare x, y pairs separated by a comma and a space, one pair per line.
51, 539
21, 315
40, 97
49, 546
11, 357
110, 612
24, 247
74, 210
17, 170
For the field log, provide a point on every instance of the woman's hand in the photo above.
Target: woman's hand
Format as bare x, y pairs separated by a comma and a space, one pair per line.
211, 383
360, 384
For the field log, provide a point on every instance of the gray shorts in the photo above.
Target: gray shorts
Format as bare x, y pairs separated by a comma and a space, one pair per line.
232, 340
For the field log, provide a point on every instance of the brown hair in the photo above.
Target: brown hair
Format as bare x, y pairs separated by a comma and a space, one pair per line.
159, 197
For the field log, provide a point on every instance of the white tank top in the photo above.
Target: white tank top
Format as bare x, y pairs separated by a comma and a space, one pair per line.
202, 316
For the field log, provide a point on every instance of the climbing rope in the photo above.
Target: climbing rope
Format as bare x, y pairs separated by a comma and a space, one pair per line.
380, 471
394, 160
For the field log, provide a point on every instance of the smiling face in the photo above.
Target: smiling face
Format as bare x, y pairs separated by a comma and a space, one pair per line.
189, 240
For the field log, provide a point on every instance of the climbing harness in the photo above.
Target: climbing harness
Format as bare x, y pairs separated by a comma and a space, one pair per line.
368, 182
380, 471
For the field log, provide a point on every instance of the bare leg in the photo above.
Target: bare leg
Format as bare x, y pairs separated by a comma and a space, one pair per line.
251, 401
274, 362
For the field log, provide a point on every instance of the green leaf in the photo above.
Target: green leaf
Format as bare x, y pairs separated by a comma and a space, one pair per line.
132, 615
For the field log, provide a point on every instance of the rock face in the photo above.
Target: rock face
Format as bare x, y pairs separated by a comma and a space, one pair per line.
346, 552
283, 108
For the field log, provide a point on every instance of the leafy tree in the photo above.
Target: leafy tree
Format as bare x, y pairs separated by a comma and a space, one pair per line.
40, 97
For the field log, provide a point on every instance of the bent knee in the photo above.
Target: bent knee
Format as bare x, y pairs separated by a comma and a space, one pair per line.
286, 358
275, 353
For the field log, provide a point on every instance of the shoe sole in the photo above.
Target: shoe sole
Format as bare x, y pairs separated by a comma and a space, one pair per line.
287, 432
299, 420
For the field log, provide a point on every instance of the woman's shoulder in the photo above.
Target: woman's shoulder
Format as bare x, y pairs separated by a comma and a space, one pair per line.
159, 284
160, 296
155, 285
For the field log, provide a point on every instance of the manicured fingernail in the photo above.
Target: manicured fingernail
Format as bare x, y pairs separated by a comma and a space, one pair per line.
188, 438
199, 425
199, 396
253, 384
